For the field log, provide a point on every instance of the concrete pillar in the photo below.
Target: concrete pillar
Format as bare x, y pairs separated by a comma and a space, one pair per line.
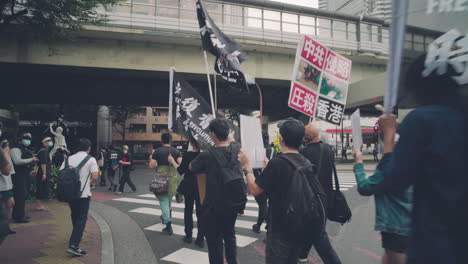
104, 126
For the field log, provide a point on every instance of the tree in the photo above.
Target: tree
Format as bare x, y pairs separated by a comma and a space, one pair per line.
119, 115
50, 19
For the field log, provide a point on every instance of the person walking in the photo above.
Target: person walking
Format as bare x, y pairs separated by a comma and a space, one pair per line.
79, 207
5, 169
23, 161
103, 164
375, 152
284, 238
262, 199
322, 156
125, 161
166, 160
431, 155
43, 174
189, 188
393, 211
6, 185
113, 158
222, 202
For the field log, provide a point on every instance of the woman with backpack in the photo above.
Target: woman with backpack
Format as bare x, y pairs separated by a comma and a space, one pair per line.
166, 160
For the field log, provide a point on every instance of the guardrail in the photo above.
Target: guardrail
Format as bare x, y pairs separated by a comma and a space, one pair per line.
272, 22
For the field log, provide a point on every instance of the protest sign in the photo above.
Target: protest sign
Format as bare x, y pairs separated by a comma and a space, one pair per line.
319, 86
356, 129
252, 141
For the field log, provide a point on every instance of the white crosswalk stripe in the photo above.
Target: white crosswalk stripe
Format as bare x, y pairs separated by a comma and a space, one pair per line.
186, 255
180, 215
241, 241
250, 200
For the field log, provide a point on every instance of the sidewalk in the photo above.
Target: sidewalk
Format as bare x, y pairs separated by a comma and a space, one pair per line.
45, 239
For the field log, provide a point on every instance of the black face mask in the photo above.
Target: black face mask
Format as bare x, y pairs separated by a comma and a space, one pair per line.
307, 141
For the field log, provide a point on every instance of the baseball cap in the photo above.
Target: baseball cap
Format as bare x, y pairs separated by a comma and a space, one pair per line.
125, 147
46, 139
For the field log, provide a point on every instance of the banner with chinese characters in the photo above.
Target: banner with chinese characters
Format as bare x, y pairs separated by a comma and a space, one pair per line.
319, 86
189, 113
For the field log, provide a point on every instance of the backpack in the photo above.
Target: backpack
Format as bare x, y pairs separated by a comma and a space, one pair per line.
305, 202
232, 191
69, 183
160, 183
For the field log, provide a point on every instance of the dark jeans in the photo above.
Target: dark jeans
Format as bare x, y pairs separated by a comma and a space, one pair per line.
190, 201
324, 249
280, 250
219, 227
4, 223
262, 208
111, 177
126, 179
19, 193
79, 214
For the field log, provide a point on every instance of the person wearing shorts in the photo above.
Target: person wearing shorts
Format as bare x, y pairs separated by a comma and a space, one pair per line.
393, 210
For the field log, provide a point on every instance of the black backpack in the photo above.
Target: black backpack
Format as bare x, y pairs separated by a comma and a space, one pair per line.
69, 183
231, 193
305, 210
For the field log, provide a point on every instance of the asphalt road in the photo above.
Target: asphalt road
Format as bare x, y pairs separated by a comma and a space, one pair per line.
355, 242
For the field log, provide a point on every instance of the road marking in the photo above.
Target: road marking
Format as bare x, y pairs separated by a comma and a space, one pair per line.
180, 215
174, 205
186, 255
241, 241
250, 202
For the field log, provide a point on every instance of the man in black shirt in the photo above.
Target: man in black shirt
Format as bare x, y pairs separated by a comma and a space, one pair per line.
217, 222
281, 247
125, 161
43, 174
322, 156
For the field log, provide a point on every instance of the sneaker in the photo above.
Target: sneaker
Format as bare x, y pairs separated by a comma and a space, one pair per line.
256, 228
76, 251
188, 239
22, 221
200, 242
302, 260
168, 229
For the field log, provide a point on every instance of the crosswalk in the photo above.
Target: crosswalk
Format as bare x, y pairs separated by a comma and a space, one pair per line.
148, 205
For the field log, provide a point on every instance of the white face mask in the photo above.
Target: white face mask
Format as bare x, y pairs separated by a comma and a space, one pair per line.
125, 151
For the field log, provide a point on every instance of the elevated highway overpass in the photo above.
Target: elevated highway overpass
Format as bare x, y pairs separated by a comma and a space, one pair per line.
127, 59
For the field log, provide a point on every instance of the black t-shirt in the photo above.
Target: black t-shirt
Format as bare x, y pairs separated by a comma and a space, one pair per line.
190, 181
275, 180
125, 157
43, 156
162, 153
206, 164
312, 153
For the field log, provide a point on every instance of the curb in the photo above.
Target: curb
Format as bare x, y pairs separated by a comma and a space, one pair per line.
107, 247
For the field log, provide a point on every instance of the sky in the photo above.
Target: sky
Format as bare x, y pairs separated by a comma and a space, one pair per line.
310, 3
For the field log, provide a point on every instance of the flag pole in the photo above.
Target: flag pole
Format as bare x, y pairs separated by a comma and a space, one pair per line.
215, 91
261, 102
209, 84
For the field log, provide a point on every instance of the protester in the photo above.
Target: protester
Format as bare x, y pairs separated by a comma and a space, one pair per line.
43, 174
282, 246
393, 211
79, 207
322, 156
6, 185
262, 199
5, 169
219, 215
375, 152
166, 159
113, 157
23, 161
432, 155
103, 164
125, 161
344, 154
189, 188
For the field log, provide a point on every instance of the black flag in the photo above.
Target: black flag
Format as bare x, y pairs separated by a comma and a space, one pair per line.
235, 79
226, 50
189, 113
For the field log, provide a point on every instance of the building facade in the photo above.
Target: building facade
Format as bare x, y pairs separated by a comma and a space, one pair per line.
144, 130
377, 8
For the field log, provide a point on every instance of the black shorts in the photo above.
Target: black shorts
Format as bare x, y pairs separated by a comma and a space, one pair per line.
394, 242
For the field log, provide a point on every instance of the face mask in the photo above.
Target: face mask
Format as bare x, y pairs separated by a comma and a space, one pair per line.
51, 144
125, 152
27, 142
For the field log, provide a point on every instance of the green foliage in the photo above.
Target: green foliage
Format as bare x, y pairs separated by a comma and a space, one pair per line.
53, 181
49, 19
119, 115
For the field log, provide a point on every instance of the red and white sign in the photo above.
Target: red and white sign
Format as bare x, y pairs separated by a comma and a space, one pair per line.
314, 52
320, 81
302, 99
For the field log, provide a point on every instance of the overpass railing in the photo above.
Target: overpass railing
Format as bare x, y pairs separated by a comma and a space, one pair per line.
270, 23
